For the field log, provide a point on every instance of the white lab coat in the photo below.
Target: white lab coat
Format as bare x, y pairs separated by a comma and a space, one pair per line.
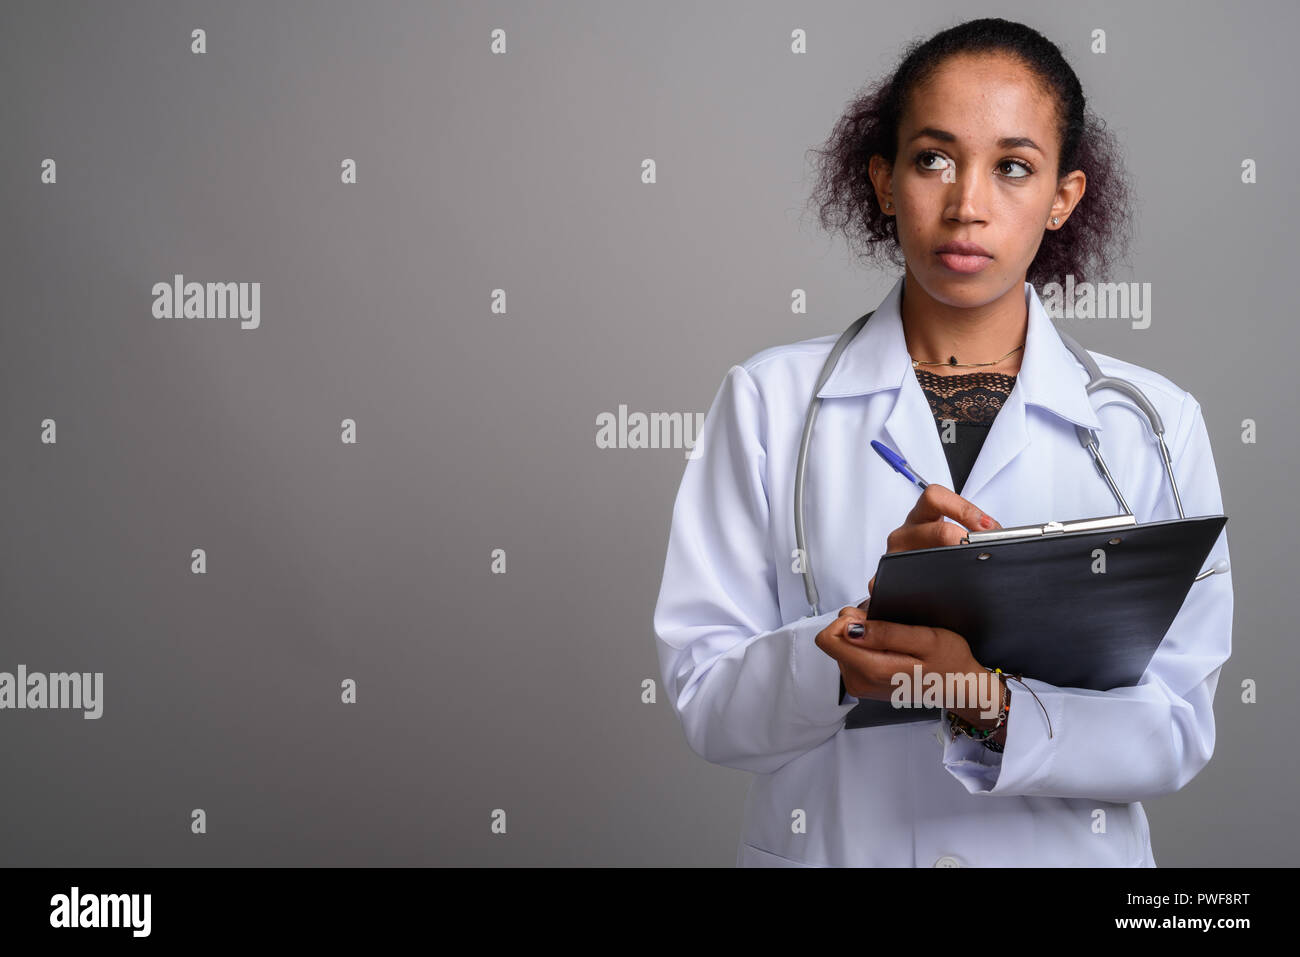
754, 692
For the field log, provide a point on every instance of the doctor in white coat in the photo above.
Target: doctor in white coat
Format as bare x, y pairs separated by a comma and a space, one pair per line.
754, 691
746, 670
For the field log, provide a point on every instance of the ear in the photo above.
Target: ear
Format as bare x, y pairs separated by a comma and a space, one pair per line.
881, 173
1068, 193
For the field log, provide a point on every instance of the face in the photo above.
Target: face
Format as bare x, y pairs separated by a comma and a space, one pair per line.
977, 155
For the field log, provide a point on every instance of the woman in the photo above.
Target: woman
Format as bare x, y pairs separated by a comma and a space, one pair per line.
978, 165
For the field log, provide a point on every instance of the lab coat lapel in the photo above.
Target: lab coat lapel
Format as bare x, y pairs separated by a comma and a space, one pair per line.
1007, 438
877, 360
913, 431
1049, 378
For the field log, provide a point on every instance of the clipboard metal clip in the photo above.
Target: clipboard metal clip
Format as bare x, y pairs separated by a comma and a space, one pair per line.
1050, 528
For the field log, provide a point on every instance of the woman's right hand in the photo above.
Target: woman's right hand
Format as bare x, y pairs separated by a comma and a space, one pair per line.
925, 526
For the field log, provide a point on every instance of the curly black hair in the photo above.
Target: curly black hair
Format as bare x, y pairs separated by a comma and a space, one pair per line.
1098, 231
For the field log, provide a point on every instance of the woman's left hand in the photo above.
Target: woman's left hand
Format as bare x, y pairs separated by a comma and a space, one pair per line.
885, 649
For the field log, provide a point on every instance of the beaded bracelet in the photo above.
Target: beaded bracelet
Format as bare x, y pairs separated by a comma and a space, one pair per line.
958, 725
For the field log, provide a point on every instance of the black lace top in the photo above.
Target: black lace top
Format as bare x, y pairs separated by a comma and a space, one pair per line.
971, 401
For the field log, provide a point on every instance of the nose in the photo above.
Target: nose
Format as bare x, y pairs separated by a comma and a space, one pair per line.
967, 195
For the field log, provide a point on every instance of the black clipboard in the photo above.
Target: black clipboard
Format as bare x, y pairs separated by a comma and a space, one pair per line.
1032, 602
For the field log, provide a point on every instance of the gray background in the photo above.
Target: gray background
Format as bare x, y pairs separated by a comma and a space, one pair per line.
518, 691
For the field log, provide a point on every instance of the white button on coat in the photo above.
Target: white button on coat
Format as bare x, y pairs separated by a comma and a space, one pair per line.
753, 691
947, 862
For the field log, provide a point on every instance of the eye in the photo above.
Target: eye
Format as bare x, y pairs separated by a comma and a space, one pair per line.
1024, 166
922, 156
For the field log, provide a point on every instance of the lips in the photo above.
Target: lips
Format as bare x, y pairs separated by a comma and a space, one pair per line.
963, 257
964, 249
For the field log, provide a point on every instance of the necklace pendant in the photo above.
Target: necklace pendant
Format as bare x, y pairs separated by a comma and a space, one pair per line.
952, 360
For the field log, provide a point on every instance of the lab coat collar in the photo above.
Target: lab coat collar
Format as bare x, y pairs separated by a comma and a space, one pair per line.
1049, 378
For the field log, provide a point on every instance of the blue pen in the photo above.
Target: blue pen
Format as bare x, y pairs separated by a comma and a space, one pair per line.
899, 463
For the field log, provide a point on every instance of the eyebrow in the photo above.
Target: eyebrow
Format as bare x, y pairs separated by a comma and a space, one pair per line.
1006, 143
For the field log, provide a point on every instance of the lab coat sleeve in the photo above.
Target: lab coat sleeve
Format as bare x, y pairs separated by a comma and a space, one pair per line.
752, 691
1126, 744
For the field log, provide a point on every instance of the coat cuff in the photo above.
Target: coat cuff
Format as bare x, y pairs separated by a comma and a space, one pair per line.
816, 674
1027, 753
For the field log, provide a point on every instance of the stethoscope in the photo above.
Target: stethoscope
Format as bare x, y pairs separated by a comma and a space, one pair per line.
1087, 439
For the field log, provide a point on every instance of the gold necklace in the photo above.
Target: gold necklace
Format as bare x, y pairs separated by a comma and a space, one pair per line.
953, 363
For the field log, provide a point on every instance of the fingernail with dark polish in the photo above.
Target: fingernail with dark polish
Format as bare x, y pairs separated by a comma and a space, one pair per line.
855, 631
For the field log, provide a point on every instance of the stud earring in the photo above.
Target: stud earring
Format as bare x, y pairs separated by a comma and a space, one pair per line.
889, 204
1055, 220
